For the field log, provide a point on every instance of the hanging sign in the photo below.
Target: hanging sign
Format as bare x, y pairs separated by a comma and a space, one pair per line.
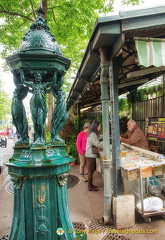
155, 129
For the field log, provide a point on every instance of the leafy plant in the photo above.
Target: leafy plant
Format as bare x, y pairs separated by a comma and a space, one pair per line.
144, 94
69, 134
124, 107
5, 105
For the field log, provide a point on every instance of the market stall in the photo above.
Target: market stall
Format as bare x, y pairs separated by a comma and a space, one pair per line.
143, 174
114, 64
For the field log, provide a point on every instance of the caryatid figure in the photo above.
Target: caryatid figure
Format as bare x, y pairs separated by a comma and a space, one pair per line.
18, 111
38, 107
59, 115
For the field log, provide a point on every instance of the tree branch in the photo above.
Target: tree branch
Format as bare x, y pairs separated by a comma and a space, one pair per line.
54, 18
33, 11
57, 7
2, 7
16, 14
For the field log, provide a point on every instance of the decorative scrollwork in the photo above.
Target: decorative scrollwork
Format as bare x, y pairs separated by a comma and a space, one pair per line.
63, 178
42, 220
17, 182
42, 230
27, 63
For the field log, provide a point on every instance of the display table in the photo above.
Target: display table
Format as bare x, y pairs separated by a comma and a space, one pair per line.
134, 158
143, 174
138, 167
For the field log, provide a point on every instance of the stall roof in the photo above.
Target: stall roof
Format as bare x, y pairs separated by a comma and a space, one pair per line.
116, 33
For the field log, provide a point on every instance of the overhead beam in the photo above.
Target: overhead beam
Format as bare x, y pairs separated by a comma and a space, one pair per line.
122, 85
145, 71
92, 104
118, 45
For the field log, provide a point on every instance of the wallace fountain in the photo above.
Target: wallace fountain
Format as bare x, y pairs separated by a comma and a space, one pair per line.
39, 169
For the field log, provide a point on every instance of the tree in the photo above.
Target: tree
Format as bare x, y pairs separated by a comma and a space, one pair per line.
71, 21
5, 103
133, 2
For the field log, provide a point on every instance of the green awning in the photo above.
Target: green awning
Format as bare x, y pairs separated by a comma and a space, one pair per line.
151, 51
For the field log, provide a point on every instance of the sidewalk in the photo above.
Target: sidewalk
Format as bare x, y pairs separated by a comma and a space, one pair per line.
88, 208
86, 211
6, 153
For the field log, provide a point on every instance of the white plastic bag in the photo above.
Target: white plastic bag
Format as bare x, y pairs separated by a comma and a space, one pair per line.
151, 204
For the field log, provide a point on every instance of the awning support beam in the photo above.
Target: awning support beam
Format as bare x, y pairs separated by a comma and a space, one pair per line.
106, 135
115, 65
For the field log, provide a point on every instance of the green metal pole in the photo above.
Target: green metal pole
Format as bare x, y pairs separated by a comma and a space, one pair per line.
114, 70
106, 136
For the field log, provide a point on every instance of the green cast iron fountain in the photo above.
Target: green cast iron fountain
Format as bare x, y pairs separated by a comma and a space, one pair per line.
39, 170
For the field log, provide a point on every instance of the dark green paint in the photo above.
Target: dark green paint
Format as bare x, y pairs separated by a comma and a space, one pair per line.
39, 170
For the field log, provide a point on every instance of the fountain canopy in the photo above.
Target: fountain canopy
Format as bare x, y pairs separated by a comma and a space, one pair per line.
39, 49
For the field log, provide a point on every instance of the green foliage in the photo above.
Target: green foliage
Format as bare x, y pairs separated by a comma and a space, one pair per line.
122, 104
124, 113
5, 105
69, 135
71, 21
144, 94
87, 117
66, 86
47, 135
133, 2
124, 108
75, 121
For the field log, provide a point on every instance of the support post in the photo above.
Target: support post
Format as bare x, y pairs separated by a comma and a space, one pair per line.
78, 114
114, 70
106, 136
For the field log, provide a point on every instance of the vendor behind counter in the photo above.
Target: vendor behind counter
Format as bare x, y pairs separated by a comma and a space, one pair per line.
134, 136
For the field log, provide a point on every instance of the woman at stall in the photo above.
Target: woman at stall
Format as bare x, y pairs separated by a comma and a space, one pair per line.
92, 141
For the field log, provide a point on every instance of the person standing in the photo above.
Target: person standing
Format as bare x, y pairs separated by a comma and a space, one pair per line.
92, 140
134, 136
8, 133
81, 148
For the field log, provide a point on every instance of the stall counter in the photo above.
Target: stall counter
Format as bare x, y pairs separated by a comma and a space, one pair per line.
134, 158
